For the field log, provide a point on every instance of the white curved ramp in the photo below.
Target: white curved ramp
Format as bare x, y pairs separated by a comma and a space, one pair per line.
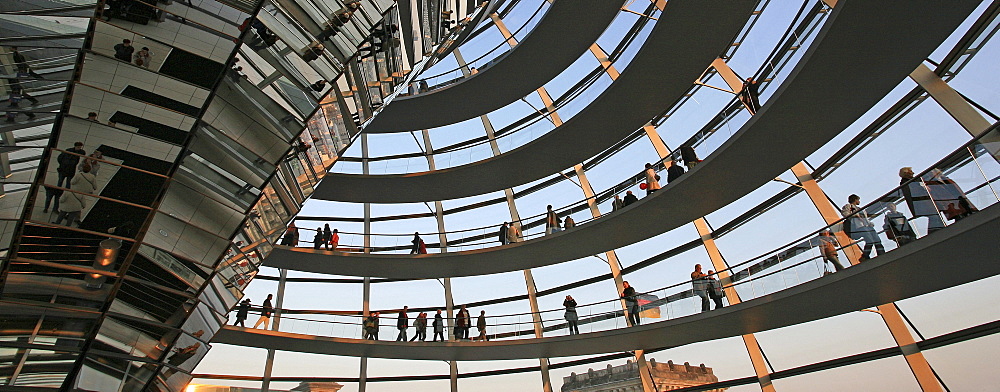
964, 252
843, 75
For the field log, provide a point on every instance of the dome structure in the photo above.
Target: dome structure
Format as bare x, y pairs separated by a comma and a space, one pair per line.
375, 195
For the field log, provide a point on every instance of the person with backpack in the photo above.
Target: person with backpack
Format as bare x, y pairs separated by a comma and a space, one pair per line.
714, 289
897, 227
242, 312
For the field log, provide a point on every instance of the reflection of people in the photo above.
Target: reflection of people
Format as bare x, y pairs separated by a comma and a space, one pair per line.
124, 50
94, 161
861, 228
896, 227
918, 199
142, 57
71, 204
631, 302
181, 355
67, 163
948, 196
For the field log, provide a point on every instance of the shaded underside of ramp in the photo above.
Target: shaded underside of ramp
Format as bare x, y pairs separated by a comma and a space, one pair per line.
688, 36
863, 52
963, 253
568, 28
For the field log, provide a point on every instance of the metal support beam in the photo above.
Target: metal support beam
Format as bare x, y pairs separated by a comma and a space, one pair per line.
515, 219
280, 300
720, 265
443, 240
367, 290
960, 109
915, 359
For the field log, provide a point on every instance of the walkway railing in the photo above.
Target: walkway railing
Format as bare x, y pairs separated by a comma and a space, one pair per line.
957, 186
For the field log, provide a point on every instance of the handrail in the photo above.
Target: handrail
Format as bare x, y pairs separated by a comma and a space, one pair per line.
743, 272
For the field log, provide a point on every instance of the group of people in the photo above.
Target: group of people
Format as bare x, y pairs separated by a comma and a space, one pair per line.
930, 196
80, 176
126, 52
463, 323
266, 310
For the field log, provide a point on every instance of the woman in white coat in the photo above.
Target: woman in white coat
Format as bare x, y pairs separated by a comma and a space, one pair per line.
71, 204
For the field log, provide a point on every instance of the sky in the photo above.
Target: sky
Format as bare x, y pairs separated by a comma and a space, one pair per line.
923, 136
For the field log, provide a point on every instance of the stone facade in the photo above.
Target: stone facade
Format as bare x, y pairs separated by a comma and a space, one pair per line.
625, 378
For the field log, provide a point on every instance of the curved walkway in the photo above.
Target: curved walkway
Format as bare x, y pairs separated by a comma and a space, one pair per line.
568, 28
661, 73
963, 253
823, 89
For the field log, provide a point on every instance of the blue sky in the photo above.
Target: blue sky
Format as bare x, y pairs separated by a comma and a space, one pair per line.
919, 139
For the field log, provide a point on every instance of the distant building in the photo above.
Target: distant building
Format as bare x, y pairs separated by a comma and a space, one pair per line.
302, 387
625, 378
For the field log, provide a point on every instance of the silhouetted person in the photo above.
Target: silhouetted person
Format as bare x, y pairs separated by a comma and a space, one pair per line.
631, 302
503, 234
689, 156
438, 326
569, 223
572, 319
265, 313
617, 204
419, 247
402, 323
242, 312
318, 239
674, 172
629, 199
551, 221
327, 236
